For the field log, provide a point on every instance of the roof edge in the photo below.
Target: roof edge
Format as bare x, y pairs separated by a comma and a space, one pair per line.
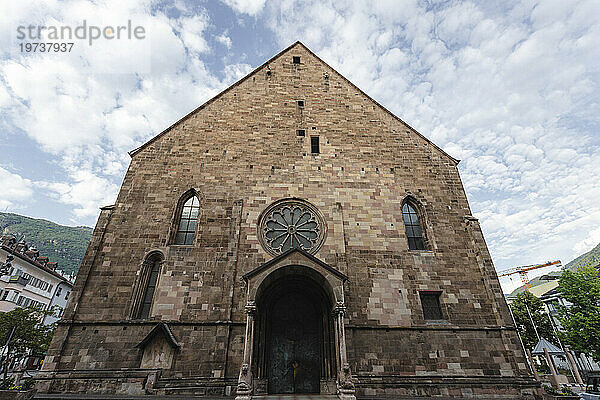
311, 257
153, 139
208, 102
36, 264
160, 329
455, 160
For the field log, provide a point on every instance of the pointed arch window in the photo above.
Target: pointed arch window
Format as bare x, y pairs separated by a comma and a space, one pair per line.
187, 219
414, 232
147, 285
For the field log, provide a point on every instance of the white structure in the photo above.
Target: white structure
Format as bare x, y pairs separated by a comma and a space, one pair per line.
31, 280
552, 300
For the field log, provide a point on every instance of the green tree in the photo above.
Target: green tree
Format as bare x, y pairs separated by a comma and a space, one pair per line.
581, 320
26, 331
525, 300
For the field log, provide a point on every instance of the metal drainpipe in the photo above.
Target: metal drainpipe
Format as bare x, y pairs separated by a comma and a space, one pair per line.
560, 343
521, 341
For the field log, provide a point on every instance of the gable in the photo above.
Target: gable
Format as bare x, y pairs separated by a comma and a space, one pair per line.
161, 330
304, 258
265, 69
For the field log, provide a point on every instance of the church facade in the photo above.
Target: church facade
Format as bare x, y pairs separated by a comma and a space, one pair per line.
291, 235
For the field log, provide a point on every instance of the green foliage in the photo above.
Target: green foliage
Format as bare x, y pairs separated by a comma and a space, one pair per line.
564, 391
29, 335
29, 332
28, 384
63, 244
581, 320
523, 321
6, 384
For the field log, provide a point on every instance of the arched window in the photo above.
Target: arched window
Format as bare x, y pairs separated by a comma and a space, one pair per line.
414, 232
148, 283
188, 216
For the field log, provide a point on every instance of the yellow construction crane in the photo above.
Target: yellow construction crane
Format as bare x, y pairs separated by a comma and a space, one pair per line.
522, 271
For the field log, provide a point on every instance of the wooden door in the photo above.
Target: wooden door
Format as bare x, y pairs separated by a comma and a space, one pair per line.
294, 345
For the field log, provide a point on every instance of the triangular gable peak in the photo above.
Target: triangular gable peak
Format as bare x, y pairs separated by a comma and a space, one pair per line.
291, 256
296, 262
265, 65
544, 344
160, 330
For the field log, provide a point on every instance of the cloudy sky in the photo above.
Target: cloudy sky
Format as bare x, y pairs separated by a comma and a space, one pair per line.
512, 88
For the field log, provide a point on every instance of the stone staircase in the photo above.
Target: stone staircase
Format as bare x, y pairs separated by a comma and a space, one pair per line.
195, 386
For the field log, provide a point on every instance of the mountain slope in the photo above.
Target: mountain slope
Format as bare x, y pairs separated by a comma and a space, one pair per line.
64, 244
592, 258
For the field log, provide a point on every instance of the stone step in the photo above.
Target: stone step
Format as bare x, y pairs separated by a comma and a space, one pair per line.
83, 396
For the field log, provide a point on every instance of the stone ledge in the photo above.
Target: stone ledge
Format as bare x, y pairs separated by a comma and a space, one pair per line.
94, 374
364, 379
433, 328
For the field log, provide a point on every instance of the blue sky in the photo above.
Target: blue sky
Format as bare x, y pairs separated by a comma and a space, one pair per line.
509, 87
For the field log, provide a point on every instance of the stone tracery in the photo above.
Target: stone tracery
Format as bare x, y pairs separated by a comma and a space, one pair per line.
291, 224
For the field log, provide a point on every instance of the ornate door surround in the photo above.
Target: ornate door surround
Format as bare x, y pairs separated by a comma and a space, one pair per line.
297, 263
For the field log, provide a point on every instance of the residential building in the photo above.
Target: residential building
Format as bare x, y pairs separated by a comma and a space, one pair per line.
32, 280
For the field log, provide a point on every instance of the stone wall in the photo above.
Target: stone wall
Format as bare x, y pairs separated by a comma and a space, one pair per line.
240, 152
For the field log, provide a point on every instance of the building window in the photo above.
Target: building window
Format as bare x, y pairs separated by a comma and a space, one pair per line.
296, 59
431, 305
67, 295
414, 232
58, 291
150, 287
291, 224
300, 103
186, 227
301, 132
314, 145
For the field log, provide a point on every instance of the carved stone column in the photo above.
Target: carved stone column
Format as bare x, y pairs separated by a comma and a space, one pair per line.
244, 387
346, 390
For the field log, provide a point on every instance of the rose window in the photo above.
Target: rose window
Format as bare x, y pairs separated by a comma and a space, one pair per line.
291, 224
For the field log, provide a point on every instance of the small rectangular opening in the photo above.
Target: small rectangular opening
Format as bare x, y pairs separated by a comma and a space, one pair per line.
296, 59
430, 301
300, 132
314, 144
300, 103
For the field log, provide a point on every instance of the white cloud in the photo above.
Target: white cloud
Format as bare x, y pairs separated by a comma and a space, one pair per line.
512, 92
86, 191
250, 7
191, 30
14, 190
224, 40
89, 108
589, 242
509, 88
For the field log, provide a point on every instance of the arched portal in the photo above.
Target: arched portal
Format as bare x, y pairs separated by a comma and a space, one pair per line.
295, 339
